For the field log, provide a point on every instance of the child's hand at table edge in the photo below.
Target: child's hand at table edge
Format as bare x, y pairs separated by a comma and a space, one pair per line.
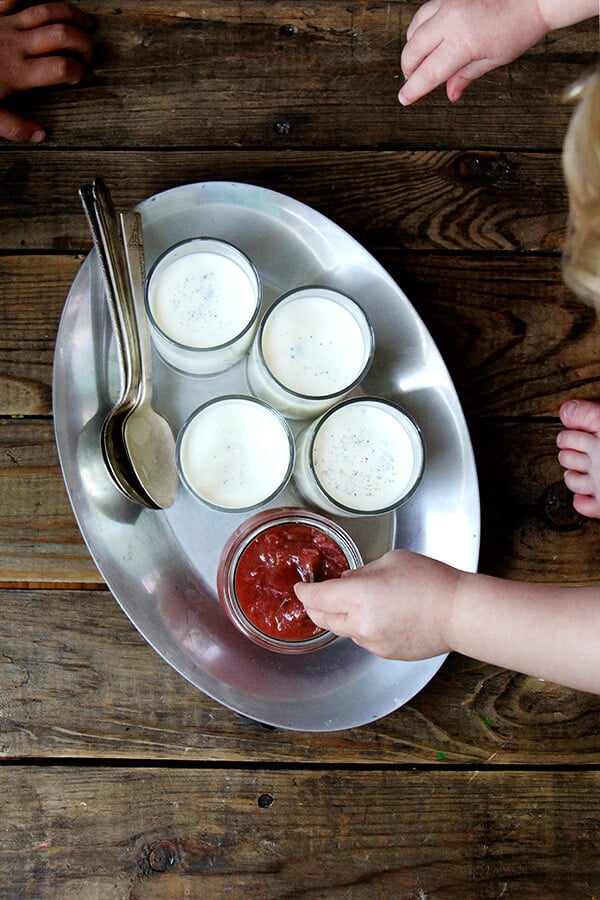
458, 41
41, 45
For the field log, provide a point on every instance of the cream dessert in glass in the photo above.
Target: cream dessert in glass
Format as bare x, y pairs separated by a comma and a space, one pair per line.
203, 299
235, 453
313, 346
363, 457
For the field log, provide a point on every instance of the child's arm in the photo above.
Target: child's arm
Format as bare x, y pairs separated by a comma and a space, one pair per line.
457, 41
407, 606
40, 46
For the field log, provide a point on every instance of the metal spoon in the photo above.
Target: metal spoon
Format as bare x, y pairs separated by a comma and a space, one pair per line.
148, 436
112, 444
137, 443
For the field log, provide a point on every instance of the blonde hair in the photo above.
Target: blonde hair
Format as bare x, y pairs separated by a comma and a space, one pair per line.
581, 165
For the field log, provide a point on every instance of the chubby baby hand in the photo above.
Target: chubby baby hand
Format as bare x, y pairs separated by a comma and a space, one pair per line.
397, 607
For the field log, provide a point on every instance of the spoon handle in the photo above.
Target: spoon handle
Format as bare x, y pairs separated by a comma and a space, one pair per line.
124, 303
105, 230
133, 248
97, 231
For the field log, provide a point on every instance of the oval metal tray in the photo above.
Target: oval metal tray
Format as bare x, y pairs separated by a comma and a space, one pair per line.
161, 566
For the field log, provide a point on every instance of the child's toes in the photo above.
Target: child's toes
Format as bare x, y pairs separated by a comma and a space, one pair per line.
579, 482
572, 459
581, 414
580, 441
586, 505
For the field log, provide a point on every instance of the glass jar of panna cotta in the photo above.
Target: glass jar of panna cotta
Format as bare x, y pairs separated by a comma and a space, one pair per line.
314, 345
363, 457
203, 299
263, 560
235, 453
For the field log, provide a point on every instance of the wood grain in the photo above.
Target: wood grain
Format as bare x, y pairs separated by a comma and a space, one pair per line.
79, 683
120, 779
284, 76
171, 833
453, 200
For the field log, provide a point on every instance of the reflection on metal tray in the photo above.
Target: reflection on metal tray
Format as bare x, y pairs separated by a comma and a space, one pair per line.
161, 566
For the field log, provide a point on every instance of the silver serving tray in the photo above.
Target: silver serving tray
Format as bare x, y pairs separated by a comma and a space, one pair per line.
161, 566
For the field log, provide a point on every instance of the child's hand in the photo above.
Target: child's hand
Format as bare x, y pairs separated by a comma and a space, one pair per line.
457, 41
398, 607
40, 46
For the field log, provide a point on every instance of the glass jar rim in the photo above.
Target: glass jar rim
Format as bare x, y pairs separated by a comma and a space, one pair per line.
237, 545
380, 401
158, 262
286, 430
369, 356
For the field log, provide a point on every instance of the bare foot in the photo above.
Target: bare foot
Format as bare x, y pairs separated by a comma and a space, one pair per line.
580, 454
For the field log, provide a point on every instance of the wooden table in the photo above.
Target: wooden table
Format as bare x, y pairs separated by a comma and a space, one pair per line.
118, 778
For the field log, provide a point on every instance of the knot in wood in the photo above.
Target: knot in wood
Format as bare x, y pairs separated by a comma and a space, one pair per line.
557, 508
162, 856
484, 167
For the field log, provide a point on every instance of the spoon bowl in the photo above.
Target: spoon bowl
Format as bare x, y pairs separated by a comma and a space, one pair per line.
117, 461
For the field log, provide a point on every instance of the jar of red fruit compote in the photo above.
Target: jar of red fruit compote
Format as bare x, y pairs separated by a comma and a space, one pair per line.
263, 560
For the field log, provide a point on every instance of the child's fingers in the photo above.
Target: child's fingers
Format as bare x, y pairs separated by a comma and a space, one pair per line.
572, 459
15, 128
581, 414
457, 85
328, 604
328, 597
53, 13
435, 69
338, 624
586, 505
50, 70
423, 42
576, 440
58, 38
7, 6
461, 79
424, 12
579, 483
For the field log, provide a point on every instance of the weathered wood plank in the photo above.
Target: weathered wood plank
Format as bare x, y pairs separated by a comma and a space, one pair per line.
169, 833
34, 290
465, 205
282, 75
413, 200
516, 341
78, 682
40, 542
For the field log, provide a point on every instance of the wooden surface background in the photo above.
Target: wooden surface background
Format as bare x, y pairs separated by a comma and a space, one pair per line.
117, 778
